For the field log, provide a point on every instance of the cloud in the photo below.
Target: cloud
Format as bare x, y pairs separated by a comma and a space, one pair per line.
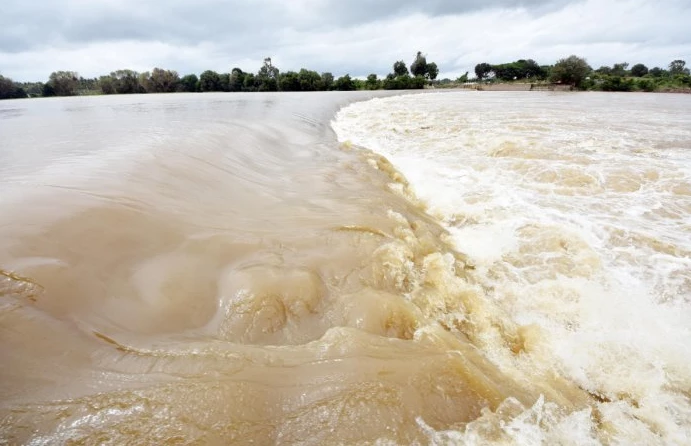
358, 37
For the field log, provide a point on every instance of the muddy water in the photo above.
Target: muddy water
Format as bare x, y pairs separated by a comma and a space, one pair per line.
218, 269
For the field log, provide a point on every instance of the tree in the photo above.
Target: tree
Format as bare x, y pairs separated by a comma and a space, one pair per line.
107, 84
620, 69
63, 83
372, 82
483, 70
47, 91
531, 69
224, 82
125, 82
678, 67
463, 79
144, 80
10, 90
639, 70
432, 71
405, 82
419, 65
6, 87
400, 69
604, 70
520, 69
657, 72
289, 81
32, 89
250, 82
87, 85
209, 81
237, 79
310, 80
267, 77
189, 83
546, 71
573, 70
163, 81
344, 83
327, 80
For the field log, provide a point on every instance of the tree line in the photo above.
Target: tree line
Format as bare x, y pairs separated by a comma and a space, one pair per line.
267, 78
573, 71
576, 72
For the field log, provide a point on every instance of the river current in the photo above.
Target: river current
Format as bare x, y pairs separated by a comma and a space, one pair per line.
346, 268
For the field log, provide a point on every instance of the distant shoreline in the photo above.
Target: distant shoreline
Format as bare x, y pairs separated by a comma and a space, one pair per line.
505, 86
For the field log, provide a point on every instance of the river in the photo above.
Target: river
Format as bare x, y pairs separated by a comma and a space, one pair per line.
346, 268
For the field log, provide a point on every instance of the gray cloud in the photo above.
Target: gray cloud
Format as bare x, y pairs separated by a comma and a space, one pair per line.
29, 25
359, 37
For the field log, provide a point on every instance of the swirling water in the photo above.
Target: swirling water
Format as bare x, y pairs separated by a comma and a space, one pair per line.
464, 267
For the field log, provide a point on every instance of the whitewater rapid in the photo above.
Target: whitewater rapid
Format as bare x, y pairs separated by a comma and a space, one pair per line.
575, 212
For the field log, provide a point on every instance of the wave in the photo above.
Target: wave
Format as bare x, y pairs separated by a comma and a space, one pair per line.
578, 238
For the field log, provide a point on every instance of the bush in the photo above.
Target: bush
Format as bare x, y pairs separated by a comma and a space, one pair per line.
646, 85
617, 83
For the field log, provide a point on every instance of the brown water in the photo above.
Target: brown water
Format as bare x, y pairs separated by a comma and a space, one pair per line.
215, 269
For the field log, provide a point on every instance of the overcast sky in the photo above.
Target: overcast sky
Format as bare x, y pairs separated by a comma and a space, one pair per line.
357, 37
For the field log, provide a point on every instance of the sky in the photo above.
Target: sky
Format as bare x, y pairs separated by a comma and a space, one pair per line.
358, 37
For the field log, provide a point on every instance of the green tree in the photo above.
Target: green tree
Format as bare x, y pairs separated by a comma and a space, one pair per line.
531, 69
209, 81
310, 80
372, 83
419, 65
289, 81
189, 83
87, 86
64, 83
658, 72
47, 90
432, 71
267, 77
6, 87
144, 80
463, 79
237, 79
250, 82
327, 80
678, 67
483, 70
107, 84
520, 69
400, 69
163, 81
126, 82
572, 71
32, 89
546, 71
639, 70
10, 90
620, 69
224, 82
344, 83
405, 82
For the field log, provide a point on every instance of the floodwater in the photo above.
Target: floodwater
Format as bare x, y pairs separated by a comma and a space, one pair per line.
440, 268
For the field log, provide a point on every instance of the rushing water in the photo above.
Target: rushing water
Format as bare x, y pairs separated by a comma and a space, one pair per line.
467, 267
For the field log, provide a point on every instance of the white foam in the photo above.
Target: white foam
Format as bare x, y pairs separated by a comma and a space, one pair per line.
580, 221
